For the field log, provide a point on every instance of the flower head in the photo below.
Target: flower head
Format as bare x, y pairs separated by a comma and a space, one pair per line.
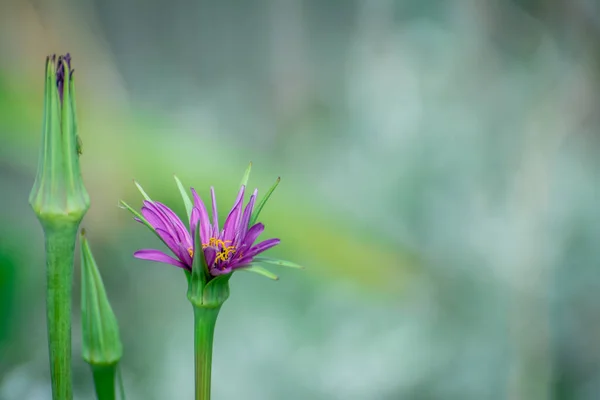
224, 250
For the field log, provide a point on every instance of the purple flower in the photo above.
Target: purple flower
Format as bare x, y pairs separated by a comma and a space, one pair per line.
224, 250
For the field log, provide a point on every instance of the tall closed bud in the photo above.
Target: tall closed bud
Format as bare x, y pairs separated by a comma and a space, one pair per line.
101, 341
58, 196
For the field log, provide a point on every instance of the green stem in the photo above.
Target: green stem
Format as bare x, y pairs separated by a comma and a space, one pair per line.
60, 244
205, 319
104, 381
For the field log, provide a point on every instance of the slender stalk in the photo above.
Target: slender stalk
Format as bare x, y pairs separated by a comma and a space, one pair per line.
104, 381
205, 319
60, 244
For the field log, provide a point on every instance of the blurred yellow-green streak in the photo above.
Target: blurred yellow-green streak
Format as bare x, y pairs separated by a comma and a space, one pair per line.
144, 148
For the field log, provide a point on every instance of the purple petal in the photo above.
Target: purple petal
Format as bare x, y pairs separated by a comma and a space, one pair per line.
204, 222
241, 262
253, 234
161, 211
243, 228
262, 246
171, 243
194, 218
185, 255
209, 255
152, 211
152, 216
233, 219
182, 233
215, 230
216, 271
158, 256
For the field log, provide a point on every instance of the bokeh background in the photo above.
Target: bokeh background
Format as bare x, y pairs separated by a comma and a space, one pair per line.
439, 164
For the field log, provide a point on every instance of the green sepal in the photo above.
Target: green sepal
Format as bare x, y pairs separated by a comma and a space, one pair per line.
198, 276
187, 202
99, 328
260, 270
204, 290
142, 191
138, 215
262, 203
199, 266
246, 176
216, 291
274, 261
188, 277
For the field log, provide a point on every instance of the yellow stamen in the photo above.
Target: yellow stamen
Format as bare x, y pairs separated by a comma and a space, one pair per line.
191, 251
226, 251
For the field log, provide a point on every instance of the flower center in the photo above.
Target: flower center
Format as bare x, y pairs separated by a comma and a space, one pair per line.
191, 251
224, 252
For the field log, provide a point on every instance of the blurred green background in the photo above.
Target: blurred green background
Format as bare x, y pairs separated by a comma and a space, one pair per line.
440, 180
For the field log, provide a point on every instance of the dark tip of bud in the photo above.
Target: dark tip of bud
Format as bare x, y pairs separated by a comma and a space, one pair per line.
61, 73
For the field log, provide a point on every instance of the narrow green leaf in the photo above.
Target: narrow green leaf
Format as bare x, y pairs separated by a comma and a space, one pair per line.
274, 261
186, 197
142, 191
136, 214
246, 175
141, 218
261, 271
263, 202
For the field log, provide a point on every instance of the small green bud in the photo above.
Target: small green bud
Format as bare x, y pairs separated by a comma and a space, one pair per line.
58, 196
99, 327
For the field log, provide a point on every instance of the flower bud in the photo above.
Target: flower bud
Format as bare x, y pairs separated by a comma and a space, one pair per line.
99, 327
58, 196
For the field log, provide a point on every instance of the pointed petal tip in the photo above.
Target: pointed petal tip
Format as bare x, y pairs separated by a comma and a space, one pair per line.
158, 256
